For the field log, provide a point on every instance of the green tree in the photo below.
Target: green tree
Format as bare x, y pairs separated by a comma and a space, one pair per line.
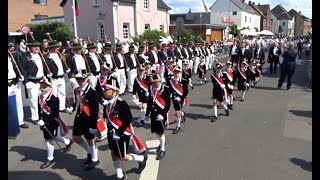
58, 31
186, 36
150, 35
235, 31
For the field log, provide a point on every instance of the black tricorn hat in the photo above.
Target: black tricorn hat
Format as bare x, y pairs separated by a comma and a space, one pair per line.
33, 43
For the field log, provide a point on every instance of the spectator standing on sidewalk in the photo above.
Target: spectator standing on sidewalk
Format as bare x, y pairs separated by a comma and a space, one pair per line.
288, 66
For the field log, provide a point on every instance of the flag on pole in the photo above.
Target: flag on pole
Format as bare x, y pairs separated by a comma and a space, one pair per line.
76, 3
203, 6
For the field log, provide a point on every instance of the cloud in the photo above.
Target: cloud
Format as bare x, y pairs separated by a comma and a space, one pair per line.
183, 6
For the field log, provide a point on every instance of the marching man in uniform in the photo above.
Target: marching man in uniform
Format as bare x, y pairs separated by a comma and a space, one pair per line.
94, 63
179, 91
56, 65
158, 106
15, 79
202, 71
120, 129
50, 121
141, 86
218, 91
85, 122
121, 68
187, 73
133, 63
34, 69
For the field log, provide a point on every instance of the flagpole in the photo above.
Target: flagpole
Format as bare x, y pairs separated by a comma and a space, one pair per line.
74, 19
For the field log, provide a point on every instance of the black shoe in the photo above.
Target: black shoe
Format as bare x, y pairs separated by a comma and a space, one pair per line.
68, 147
35, 122
176, 130
242, 100
141, 124
91, 165
227, 112
143, 164
88, 160
191, 87
214, 118
47, 164
160, 155
24, 126
230, 106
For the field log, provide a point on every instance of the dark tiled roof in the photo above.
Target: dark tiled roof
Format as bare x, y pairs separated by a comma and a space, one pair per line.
281, 13
292, 12
244, 6
257, 9
191, 18
162, 5
264, 8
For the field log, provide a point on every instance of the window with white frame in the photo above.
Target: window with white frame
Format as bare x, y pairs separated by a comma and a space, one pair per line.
40, 2
146, 4
250, 19
100, 30
96, 3
161, 28
125, 29
146, 27
245, 18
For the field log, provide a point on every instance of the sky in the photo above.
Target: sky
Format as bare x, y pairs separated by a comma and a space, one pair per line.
182, 6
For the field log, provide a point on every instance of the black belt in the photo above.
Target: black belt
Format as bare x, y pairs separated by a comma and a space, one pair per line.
35, 80
12, 82
121, 68
56, 77
134, 67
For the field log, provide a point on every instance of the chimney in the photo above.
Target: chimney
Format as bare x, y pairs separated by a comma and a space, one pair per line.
189, 10
300, 12
252, 3
249, 2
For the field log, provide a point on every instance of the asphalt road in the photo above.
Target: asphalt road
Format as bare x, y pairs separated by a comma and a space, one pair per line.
267, 137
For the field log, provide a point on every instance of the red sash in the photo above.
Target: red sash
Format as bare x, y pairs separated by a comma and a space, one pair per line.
202, 70
84, 106
229, 75
177, 88
101, 80
186, 70
143, 85
217, 79
158, 99
242, 73
170, 69
63, 127
253, 70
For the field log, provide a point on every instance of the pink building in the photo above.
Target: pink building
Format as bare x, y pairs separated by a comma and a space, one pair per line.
120, 19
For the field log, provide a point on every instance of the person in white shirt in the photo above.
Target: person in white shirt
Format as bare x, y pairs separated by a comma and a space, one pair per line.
23, 47
99, 47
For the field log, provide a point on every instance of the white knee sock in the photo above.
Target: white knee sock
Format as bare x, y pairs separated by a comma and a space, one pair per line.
62, 139
231, 99
143, 114
117, 167
224, 106
135, 157
85, 145
215, 110
162, 142
50, 150
179, 121
243, 94
94, 153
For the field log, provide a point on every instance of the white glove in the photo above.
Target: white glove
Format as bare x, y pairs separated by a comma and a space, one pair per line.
92, 131
246, 84
49, 75
69, 110
29, 85
41, 123
68, 70
159, 118
105, 102
230, 86
134, 96
115, 136
223, 86
177, 99
147, 94
21, 78
128, 69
